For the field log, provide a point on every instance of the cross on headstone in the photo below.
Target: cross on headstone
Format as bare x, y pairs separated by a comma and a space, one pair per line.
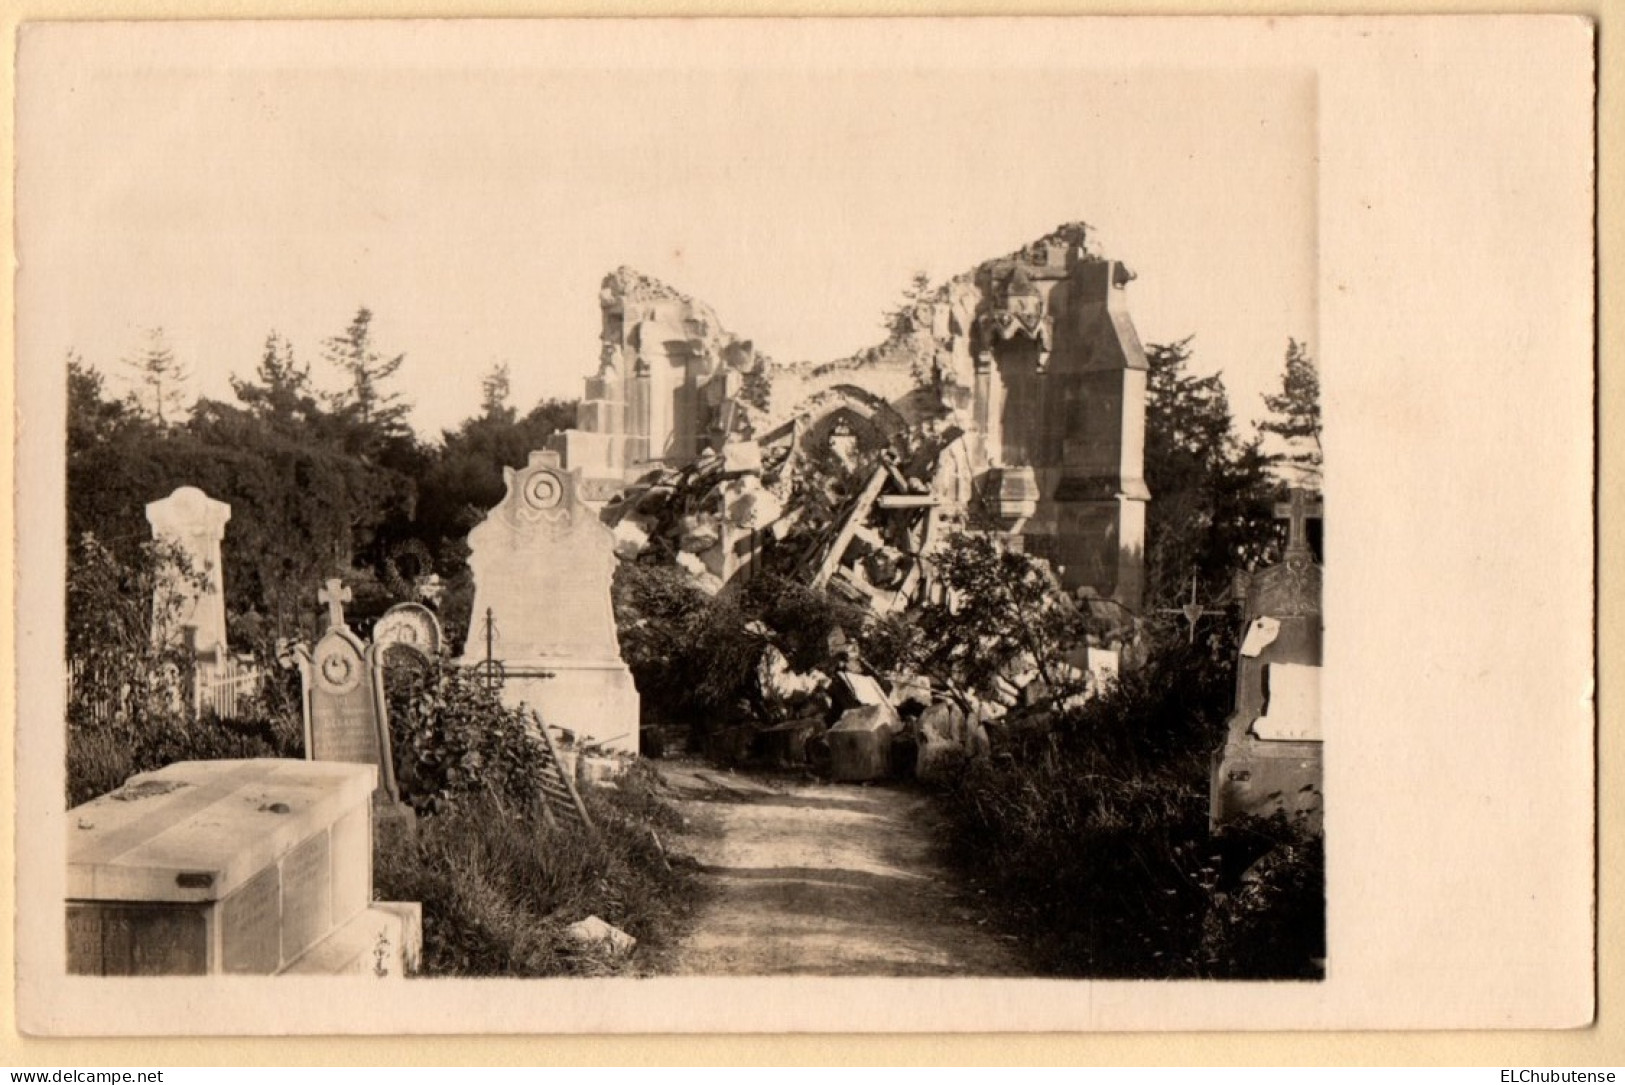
1299, 510
335, 595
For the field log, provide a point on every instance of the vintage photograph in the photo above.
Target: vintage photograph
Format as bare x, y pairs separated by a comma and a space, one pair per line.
541, 513
736, 524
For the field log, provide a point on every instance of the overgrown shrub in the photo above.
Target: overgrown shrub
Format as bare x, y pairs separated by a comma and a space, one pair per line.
130, 704
499, 886
1091, 827
455, 741
696, 657
1000, 608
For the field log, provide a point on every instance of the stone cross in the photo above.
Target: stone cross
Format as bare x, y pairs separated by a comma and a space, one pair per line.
335, 595
1299, 510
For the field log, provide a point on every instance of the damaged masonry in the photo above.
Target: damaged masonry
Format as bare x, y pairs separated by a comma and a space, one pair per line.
1014, 393
1009, 401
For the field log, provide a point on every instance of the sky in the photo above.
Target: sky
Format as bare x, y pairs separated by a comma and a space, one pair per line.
473, 188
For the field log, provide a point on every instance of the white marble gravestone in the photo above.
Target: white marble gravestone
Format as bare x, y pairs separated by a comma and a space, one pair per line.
409, 628
195, 522
542, 564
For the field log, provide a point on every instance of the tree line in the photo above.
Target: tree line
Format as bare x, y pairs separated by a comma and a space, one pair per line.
321, 484
337, 484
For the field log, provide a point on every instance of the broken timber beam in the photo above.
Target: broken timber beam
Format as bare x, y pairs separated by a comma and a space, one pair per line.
849, 527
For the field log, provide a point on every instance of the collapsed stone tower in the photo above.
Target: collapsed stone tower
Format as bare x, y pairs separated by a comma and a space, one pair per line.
1027, 367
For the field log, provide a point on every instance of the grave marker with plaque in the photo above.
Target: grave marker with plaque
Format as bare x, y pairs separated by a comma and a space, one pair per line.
409, 634
1271, 759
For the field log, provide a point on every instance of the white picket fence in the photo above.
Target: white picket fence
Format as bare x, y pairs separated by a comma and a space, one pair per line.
225, 687
220, 689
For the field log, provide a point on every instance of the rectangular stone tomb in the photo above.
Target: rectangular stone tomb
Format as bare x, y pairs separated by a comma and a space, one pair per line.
223, 867
860, 744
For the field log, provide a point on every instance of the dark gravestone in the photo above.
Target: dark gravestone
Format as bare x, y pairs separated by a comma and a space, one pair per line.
345, 716
1271, 759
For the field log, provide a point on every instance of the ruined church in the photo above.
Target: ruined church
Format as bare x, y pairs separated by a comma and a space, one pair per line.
1011, 398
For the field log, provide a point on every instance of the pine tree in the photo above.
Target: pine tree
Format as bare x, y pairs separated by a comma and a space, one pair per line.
379, 413
281, 396
1296, 411
494, 391
901, 321
160, 378
1210, 510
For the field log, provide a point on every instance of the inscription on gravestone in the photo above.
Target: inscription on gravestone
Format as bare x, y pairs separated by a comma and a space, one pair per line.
307, 888
250, 933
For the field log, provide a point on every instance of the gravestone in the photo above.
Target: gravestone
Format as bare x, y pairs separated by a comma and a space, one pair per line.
407, 632
195, 523
542, 564
345, 710
232, 867
1271, 758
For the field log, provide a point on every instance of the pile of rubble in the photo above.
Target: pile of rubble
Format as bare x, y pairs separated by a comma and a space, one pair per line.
854, 725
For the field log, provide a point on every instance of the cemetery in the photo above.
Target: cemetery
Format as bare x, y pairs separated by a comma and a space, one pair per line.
355, 704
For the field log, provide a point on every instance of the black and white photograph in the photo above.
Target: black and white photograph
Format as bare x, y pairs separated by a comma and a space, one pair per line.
580, 506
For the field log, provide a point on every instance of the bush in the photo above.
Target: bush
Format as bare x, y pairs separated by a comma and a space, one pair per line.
129, 703
454, 741
1091, 827
695, 657
1002, 609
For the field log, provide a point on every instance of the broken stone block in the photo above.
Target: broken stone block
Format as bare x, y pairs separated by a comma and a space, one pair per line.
943, 722
630, 539
593, 931
977, 743
779, 680
932, 755
910, 690
786, 744
1005, 692
695, 567
860, 744
850, 690
698, 533
742, 456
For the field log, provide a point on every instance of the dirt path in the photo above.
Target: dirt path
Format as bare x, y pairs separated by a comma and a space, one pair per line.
825, 879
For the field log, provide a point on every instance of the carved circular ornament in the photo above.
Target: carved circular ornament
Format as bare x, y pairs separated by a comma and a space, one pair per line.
544, 490
338, 670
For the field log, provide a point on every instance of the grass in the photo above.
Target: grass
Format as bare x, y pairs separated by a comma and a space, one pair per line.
1090, 832
498, 889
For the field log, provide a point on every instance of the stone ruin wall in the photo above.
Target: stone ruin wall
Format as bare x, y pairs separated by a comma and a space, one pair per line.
1031, 357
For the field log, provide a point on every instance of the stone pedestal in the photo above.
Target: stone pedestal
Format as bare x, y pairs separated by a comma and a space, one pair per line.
223, 867
595, 699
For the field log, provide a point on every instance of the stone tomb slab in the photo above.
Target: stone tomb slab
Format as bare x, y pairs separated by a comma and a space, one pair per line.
211, 867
